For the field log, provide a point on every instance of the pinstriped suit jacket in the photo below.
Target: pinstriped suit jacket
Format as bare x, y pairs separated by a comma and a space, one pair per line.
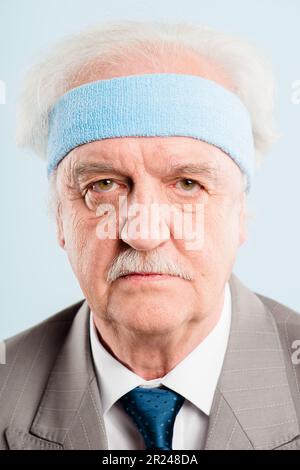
50, 400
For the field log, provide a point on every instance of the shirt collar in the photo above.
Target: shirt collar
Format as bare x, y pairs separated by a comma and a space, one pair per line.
195, 377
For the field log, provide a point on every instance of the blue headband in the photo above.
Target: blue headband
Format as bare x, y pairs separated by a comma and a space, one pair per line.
163, 104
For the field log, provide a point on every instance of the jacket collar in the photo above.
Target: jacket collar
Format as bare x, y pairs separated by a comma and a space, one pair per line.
69, 415
252, 407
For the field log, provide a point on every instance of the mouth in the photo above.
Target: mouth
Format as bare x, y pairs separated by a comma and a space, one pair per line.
144, 277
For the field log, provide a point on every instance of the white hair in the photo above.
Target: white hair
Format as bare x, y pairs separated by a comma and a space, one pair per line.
111, 44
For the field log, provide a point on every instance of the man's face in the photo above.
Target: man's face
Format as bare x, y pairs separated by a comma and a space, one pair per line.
166, 170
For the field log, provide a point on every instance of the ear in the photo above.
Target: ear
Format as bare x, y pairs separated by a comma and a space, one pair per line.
59, 227
243, 220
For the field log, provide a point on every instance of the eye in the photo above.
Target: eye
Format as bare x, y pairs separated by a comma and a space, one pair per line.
188, 185
104, 185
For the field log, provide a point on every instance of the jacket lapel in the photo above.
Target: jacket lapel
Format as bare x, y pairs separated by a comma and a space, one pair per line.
253, 407
69, 415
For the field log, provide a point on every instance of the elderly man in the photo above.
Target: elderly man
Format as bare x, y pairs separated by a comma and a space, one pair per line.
151, 133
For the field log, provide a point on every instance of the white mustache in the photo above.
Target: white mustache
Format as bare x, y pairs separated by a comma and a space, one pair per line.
132, 261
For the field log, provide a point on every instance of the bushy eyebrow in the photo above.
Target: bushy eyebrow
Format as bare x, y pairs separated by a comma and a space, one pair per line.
83, 170
201, 169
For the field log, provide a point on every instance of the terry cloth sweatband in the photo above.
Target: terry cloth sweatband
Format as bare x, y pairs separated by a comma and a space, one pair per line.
162, 104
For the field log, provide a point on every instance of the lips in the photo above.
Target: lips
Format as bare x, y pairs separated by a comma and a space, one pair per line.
142, 274
136, 276
152, 280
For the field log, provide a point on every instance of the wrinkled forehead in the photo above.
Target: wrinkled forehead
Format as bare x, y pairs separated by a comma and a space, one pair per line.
157, 156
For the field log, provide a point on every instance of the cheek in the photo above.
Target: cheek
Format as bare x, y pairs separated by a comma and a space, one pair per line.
219, 247
221, 233
220, 229
88, 255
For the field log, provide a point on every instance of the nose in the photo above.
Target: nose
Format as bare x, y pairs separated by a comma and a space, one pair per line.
143, 225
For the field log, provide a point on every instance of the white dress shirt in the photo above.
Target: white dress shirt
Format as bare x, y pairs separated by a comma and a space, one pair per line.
195, 378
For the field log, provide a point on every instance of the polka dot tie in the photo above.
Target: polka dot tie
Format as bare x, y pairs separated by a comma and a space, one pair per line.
153, 410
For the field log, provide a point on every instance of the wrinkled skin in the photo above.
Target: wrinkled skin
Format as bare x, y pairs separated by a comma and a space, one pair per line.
150, 326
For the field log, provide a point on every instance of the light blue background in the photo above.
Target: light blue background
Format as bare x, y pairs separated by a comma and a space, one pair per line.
36, 279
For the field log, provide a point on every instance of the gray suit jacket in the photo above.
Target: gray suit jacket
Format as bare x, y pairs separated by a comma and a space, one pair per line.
50, 399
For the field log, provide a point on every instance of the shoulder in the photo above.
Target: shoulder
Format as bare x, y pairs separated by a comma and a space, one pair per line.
49, 334
281, 313
32, 352
287, 323
29, 358
248, 299
48, 327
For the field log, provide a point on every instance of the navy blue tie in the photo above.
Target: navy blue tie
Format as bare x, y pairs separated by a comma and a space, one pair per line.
153, 410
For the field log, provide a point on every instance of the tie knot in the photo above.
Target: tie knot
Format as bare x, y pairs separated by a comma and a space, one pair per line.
153, 410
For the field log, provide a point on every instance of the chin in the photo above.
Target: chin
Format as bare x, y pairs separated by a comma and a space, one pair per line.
149, 318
